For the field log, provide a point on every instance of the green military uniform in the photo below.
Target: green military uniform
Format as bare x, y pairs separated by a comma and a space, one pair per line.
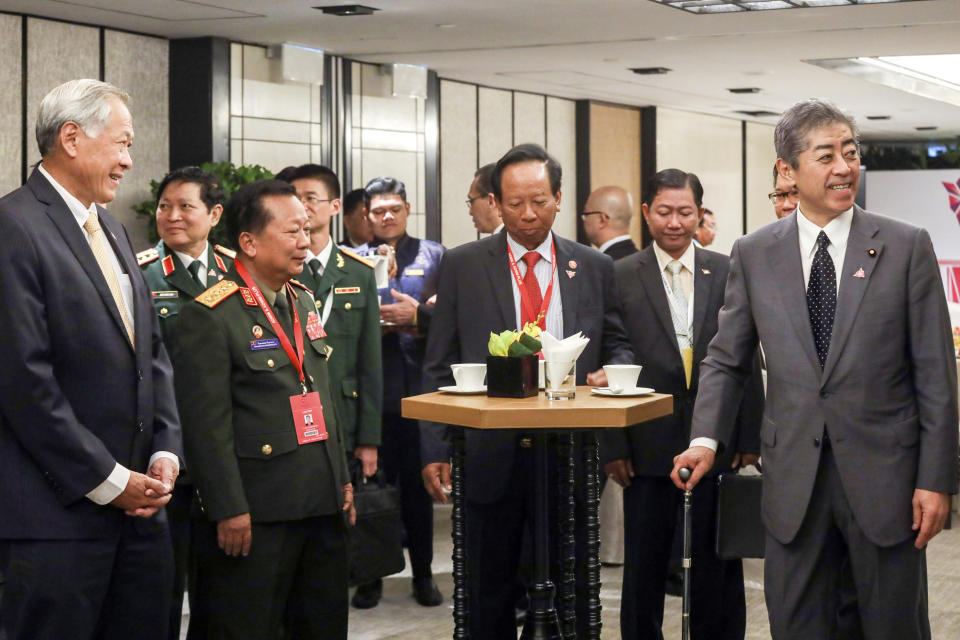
353, 330
234, 386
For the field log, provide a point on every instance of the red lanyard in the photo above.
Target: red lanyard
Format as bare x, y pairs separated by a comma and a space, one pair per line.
525, 304
295, 358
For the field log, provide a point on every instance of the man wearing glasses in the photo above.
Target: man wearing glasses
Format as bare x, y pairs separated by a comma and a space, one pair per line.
606, 221
785, 195
481, 203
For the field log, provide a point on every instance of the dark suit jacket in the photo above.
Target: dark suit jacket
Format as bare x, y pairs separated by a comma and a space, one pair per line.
475, 297
621, 249
887, 393
652, 445
75, 397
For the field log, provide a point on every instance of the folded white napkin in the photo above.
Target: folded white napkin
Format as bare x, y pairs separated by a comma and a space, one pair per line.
559, 355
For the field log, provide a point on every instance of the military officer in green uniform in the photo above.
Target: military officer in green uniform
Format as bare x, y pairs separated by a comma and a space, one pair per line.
262, 436
345, 291
179, 268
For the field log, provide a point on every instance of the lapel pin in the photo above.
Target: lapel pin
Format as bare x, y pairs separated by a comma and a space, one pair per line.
860, 273
211, 272
570, 273
705, 272
872, 253
572, 264
257, 331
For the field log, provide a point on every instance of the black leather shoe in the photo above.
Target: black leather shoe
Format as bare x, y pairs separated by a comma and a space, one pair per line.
425, 592
367, 596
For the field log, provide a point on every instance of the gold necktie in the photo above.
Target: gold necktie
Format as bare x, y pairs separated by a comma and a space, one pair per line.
98, 244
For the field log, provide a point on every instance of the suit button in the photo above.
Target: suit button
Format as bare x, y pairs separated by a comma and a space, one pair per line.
140, 425
311, 378
354, 394
824, 394
164, 311
348, 306
270, 363
266, 449
816, 442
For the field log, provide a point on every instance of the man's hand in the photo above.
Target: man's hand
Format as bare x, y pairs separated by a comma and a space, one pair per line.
143, 496
367, 455
741, 460
234, 535
164, 470
348, 503
436, 479
698, 459
597, 378
930, 509
620, 471
401, 312
387, 250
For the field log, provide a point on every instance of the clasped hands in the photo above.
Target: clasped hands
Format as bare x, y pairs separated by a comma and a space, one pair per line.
145, 494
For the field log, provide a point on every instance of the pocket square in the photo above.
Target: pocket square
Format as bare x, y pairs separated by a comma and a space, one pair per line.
860, 273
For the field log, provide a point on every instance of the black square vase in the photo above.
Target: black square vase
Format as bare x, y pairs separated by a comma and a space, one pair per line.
513, 377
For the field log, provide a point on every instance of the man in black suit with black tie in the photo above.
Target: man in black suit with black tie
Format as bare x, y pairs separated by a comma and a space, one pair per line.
572, 288
671, 293
89, 435
606, 221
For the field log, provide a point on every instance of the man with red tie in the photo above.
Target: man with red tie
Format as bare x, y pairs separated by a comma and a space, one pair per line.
520, 274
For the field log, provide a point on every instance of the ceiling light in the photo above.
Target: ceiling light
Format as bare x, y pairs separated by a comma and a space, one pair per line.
927, 128
348, 10
650, 71
744, 90
762, 113
729, 6
935, 79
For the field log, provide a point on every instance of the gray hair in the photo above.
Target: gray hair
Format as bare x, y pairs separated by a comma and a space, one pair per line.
802, 118
84, 102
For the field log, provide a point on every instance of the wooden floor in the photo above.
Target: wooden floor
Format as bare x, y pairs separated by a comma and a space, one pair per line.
398, 617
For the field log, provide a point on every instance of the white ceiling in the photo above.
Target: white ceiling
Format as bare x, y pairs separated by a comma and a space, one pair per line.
582, 49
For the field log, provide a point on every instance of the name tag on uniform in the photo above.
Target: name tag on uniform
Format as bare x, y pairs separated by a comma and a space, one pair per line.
163, 295
341, 290
413, 272
266, 343
308, 418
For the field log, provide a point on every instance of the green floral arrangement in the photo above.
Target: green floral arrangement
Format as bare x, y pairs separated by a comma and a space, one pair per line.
231, 178
516, 344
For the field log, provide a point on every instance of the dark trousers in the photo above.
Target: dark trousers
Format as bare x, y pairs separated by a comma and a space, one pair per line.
400, 461
293, 584
717, 603
801, 577
495, 539
104, 589
178, 514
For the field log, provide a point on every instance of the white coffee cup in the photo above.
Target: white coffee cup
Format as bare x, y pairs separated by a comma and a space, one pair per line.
469, 375
381, 267
622, 376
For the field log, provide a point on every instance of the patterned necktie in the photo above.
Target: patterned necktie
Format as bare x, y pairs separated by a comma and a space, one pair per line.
822, 297
194, 270
679, 313
101, 252
532, 287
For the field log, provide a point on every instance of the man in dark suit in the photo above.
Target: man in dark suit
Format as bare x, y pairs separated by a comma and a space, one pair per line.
89, 434
478, 294
671, 318
263, 436
606, 221
859, 436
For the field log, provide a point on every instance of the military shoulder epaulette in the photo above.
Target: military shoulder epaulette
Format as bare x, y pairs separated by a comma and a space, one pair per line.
147, 256
301, 285
230, 253
218, 293
360, 259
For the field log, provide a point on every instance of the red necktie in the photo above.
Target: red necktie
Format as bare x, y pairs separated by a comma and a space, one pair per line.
532, 287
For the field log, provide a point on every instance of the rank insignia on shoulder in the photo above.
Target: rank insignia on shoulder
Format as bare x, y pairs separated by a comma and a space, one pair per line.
351, 254
297, 283
147, 256
247, 295
230, 253
218, 293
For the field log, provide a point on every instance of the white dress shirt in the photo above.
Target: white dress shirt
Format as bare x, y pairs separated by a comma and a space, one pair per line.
108, 490
612, 241
323, 256
186, 259
543, 270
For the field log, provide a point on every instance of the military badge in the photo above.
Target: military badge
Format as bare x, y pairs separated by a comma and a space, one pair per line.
340, 262
257, 331
314, 327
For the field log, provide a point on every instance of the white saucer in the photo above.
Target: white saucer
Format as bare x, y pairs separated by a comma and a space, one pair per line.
463, 390
626, 393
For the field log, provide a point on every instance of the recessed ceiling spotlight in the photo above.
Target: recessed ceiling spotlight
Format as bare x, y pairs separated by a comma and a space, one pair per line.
927, 128
762, 113
347, 10
744, 90
878, 117
650, 71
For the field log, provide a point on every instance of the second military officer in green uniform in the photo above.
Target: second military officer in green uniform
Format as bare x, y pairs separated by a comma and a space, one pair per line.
261, 434
178, 269
345, 290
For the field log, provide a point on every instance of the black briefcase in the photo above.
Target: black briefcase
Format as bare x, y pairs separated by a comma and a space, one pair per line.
376, 547
740, 531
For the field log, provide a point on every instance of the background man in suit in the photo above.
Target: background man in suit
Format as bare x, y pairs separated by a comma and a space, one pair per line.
859, 438
606, 221
483, 206
707, 231
785, 196
177, 270
670, 295
262, 434
477, 294
345, 291
356, 221
83, 446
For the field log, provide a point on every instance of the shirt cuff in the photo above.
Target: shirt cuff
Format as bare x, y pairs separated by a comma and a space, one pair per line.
709, 443
108, 490
169, 456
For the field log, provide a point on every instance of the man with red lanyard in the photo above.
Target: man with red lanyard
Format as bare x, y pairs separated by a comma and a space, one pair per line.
264, 443
517, 275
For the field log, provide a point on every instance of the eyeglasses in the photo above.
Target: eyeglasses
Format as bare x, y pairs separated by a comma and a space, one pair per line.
313, 200
777, 197
470, 200
586, 214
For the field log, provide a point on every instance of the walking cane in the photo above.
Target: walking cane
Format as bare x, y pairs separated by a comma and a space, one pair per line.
687, 562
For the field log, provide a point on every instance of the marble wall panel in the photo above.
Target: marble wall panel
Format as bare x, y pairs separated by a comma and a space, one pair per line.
458, 160
11, 108
761, 156
495, 123
561, 139
528, 118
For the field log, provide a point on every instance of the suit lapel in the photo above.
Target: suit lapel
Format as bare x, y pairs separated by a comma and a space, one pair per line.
652, 281
783, 257
850, 289
498, 274
702, 284
569, 286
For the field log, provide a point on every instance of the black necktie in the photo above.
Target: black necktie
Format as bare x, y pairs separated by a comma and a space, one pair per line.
822, 297
194, 270
317, 268
282, 308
